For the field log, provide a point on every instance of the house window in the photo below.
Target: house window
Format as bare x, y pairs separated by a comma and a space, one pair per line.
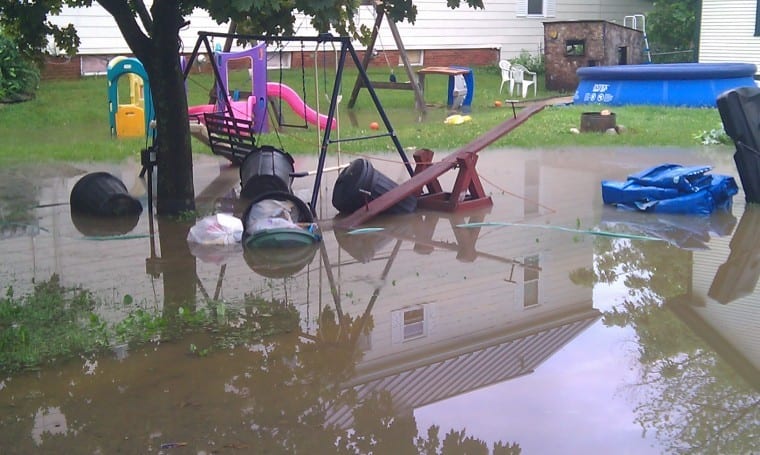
279, 60
415, 57
575, 47
536, 8
622, 55
531, 267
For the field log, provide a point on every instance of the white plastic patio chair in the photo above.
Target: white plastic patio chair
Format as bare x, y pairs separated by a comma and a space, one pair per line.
506, 74
523, 78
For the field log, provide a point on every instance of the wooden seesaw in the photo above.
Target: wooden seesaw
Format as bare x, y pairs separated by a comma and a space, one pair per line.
467, 192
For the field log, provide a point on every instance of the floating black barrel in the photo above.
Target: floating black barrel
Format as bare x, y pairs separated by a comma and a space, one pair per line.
360, 183
266, 169
102, 194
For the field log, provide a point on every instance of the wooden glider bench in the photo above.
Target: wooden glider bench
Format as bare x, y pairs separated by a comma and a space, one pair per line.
230, 137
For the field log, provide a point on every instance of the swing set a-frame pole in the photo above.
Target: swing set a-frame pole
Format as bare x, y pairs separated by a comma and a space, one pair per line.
413, 83
347, 48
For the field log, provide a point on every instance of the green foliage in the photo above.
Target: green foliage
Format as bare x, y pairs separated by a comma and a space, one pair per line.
714, 136
19, 77
672, 27
51, 323
27, 24
532, 62
57, 323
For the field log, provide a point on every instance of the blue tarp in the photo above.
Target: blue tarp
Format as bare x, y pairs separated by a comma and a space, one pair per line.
672, 188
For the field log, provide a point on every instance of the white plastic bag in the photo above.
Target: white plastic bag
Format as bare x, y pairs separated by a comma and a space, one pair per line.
219, 229
271, 214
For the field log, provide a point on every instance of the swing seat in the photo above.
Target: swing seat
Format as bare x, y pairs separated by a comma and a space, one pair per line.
230, 137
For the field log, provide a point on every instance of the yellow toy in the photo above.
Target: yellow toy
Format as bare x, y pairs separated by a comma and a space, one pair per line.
457, 119
131, 119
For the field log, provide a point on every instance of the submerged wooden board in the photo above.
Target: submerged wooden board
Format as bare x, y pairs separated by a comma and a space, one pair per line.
414, 185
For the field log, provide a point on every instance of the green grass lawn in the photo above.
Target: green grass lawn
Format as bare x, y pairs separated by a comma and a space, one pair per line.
68, 120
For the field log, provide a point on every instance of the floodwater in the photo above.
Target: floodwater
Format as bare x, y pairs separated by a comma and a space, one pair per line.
543, 336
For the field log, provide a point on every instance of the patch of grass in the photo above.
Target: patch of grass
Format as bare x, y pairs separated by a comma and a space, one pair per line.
68, 120
54, 323
51, 323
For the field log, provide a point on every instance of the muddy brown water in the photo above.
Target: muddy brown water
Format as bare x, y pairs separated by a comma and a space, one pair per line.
537, 336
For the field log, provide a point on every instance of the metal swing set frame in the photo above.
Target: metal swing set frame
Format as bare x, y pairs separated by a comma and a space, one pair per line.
346, 50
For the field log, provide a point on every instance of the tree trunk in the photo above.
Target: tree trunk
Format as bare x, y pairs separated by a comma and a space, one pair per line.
159, 53
174, 152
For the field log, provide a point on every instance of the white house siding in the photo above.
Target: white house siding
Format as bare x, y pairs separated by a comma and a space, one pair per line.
727, 32
498, 26
99, 33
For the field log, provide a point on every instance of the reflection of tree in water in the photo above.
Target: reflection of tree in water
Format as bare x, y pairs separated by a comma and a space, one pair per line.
693, 400
646, 267
378, 429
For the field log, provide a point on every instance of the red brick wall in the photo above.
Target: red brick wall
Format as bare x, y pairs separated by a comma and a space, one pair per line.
438, 57
62, 68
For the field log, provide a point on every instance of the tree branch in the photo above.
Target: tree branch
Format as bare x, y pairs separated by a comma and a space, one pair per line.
130, 30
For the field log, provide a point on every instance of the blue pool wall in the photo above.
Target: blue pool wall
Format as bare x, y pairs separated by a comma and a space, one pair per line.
665, 84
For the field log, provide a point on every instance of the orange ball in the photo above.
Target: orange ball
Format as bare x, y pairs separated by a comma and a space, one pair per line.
497, 103
374, 126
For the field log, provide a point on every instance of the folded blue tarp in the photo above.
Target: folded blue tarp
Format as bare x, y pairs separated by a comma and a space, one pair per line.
672, 188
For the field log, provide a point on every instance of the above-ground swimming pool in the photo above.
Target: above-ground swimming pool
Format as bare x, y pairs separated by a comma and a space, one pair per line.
667, 84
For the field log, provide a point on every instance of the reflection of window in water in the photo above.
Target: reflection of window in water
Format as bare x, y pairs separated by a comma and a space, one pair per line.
530, 185
530, 281
412, 323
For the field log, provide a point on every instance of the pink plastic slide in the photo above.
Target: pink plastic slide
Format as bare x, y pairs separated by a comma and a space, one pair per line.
297, 104
243, 109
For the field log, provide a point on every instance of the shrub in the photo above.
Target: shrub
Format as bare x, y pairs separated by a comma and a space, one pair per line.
19, 77
532, 62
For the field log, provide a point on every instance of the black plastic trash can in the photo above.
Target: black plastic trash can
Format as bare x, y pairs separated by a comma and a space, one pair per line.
264, 170
360, 183
102, 194
740, 113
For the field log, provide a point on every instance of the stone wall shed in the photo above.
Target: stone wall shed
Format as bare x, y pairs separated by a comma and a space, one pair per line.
569, 45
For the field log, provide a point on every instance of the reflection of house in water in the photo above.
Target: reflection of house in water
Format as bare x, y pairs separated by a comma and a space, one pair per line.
433, 372
724, 305
463, 308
